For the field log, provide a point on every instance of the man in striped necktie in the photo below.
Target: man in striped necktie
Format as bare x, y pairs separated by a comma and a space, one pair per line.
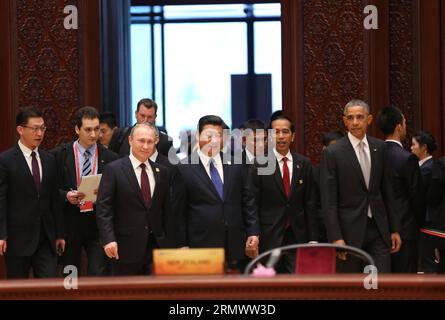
75, 160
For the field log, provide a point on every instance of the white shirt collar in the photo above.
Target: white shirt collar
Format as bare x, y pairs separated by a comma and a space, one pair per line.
395, 141
250, 156
206, 159
82, 150
280, 157
421, 162
154, 156
354, 141
26, 151
136, 163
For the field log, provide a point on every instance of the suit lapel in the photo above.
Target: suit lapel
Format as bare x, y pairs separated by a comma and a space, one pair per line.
350, 154
227, 179
45, 169
373, 150
24, 165
296, 170
128, 170
70, 165
156, 173
101, 160
278, 179
202, 174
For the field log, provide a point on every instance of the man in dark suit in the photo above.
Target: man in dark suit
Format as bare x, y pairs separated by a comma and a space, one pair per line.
31, 221
407, 187
171, 209
108, 126
131, 204
328, 138
146, 111
436, 199
219, 207
284, 198
254, 140
76, 159
423, 146
356, 193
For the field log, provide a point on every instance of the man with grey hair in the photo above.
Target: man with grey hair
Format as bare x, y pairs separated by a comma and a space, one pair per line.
131, 201
356, 193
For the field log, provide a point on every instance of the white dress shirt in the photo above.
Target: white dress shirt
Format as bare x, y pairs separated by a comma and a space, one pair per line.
27, 154
154, 156
355, 142
138, 170
217, 162
280, 157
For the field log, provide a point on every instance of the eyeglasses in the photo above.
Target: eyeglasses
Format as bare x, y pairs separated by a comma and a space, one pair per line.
35, 129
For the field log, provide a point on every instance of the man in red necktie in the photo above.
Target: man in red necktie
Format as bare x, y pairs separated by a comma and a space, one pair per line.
31, 224
285, 201
131, 206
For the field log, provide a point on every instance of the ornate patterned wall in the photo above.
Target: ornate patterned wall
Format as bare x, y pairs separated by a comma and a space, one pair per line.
341, 61
403, 61
48, 65
333, 66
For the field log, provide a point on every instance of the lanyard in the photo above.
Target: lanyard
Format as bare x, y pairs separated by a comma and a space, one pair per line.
77, 156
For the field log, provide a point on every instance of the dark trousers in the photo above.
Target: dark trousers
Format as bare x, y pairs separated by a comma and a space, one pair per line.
375, 246
96, 259
405, 261
287, 262
427, 244
142, 267
43, 262
441, 266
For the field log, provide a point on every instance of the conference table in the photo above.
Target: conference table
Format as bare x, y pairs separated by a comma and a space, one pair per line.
231, 287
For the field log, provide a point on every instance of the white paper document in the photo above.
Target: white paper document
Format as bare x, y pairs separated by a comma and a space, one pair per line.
88, 184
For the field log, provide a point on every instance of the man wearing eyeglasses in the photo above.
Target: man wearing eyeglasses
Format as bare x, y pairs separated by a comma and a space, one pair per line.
82, 157
31, 222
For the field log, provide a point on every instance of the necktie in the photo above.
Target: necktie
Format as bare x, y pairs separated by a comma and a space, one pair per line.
145, 185
364, 162
86, 167
216, 179
35, 171
286, 177
366, 167
286, 184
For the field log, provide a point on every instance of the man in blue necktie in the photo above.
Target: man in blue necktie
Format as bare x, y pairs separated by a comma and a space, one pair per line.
218, 206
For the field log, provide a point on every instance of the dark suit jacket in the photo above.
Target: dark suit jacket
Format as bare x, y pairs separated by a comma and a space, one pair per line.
426, 170
23, 209
317, 199
122, 215
173, 207
345, 197
407, 186
120, 145
66, 165
436, 197
213, 222
274, 206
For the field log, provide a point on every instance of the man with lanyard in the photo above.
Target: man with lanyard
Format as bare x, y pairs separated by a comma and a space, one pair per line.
82, 157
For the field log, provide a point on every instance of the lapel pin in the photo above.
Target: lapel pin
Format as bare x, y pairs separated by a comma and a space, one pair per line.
298, 166
375, 149
301, 181
157, 169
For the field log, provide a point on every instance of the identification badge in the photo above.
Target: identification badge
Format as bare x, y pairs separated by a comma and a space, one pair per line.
86, 206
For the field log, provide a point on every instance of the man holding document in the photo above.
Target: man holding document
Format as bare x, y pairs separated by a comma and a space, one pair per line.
76, 161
